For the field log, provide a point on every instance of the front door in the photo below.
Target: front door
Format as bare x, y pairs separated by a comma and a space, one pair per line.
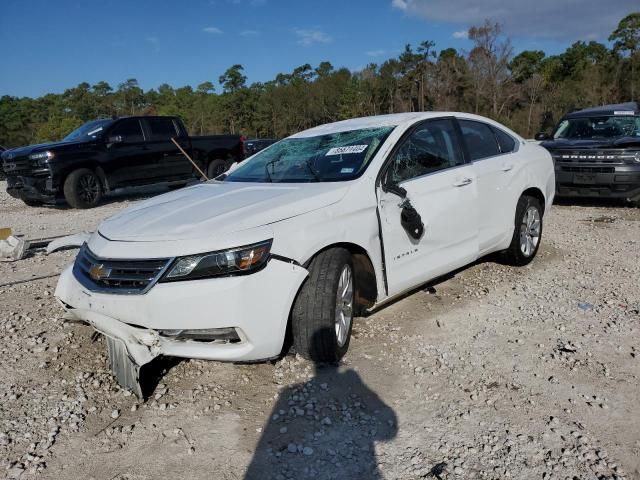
429, 164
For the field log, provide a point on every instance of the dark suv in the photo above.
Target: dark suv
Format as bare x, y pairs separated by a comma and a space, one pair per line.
597, 152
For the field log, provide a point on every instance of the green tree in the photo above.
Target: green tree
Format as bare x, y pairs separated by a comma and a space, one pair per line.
626, 38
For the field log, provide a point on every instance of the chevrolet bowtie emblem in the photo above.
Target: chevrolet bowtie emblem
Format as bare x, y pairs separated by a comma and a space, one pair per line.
99, 272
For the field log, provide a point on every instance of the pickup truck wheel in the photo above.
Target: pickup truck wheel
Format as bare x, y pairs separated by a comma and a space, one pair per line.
216, 167
322, 315
82, 189
527, 232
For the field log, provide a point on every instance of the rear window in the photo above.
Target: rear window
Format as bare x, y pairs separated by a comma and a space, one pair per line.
505, 141
162, 128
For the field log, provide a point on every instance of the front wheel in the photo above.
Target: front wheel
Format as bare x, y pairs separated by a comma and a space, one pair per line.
82, 189
527, 232
322, 315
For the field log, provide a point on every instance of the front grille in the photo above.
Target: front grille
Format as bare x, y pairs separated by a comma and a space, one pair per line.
588, 169
117, 276
17, 166
613, 156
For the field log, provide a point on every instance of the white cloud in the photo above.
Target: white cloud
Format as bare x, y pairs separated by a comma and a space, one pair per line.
375, 53
308, 37
461, 34
401, 4
213, 30
152, 40
567, 20
249, 33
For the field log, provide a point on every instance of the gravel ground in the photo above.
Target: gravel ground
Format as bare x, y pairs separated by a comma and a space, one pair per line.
494, 373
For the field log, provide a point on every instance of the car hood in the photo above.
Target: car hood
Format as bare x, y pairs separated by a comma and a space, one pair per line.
618, 142
218, 208
40, 147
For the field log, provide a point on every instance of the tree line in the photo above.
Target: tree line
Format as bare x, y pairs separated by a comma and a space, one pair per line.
527, 91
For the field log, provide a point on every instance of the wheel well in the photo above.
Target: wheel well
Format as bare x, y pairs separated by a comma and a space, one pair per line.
537, 194
91, 166
366, 292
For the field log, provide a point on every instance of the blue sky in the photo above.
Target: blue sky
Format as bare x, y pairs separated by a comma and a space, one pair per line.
47, 46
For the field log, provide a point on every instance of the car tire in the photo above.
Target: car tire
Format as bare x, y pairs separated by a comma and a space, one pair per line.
82, 189
527, 233
322, 314
32, 203
216, 167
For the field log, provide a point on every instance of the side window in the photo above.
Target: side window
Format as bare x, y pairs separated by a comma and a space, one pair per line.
432, 146
161, 128
480, 140
129, 129
505, 141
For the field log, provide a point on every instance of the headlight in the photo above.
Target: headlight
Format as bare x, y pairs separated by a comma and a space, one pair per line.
214, 264
41, 156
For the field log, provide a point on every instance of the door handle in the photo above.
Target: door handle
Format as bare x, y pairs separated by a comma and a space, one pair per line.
463, 182
507, 167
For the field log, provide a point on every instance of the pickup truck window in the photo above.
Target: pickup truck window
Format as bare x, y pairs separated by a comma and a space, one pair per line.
333, 157
129, 129
480, 140
432, 146
161, 128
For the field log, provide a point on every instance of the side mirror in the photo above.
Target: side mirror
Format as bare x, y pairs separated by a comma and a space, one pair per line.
542, 136
411, 221
395, 189
115, 139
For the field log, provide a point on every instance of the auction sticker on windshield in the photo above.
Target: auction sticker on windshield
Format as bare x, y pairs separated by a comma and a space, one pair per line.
349, 149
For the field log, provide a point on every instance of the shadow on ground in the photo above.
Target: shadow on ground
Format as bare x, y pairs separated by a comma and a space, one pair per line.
324, 428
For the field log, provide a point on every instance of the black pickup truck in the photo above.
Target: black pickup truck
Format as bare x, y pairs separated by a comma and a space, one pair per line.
597, 152
103, 155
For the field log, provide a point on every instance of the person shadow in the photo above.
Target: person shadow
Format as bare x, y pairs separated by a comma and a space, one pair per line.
324, 428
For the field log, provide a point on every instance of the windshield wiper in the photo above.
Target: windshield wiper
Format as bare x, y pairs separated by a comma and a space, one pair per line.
312, 170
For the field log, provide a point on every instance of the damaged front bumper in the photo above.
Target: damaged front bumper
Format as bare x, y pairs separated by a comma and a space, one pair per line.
249, 312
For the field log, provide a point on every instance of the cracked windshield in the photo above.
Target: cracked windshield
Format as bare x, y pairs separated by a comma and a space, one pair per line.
332, 157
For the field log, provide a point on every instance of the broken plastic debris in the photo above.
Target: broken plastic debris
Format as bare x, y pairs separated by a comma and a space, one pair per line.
13, 247
70, 241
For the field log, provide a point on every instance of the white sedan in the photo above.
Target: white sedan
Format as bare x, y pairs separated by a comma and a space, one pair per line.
298, 239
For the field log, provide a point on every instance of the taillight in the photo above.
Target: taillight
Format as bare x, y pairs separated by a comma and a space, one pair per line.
242, 145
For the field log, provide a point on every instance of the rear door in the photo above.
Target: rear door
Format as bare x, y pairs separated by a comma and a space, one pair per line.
170, 163
429, 164
128, 157
493, 165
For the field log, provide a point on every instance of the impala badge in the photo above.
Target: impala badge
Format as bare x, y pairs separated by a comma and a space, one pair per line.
99, 272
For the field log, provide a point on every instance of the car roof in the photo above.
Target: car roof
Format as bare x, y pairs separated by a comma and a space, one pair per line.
392, 120
629, 108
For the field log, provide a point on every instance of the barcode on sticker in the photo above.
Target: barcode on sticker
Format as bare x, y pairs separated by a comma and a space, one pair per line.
346, 150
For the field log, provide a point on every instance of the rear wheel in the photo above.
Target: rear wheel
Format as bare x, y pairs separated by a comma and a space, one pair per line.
216, 167
527, 232
322, 315
82, 189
